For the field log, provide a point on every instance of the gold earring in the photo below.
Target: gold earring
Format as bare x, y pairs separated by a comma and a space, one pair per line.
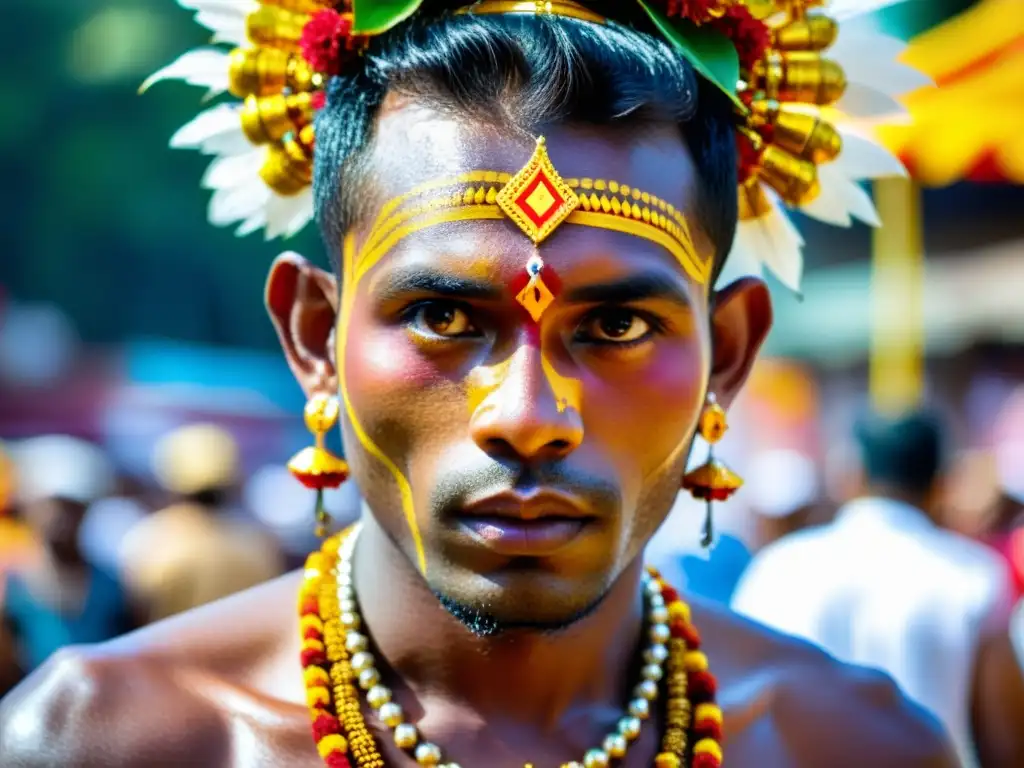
711, 481
315, 466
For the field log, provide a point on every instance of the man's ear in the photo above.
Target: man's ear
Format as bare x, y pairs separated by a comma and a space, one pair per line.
302, 301
740, 321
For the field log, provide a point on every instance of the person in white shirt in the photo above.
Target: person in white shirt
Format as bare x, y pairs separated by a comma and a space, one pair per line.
883, 586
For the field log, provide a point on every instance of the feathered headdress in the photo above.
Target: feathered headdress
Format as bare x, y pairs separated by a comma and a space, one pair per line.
801, 82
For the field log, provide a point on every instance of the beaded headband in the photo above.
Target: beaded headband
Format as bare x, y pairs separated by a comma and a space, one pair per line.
796, 111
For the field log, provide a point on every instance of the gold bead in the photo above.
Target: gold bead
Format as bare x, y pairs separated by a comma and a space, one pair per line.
615, 745
428, 754
595, 758
378, 696
391, 714
321, 413
368, 678
667, 760
640, 708
361, 661
630, 727
406, 736
713, 423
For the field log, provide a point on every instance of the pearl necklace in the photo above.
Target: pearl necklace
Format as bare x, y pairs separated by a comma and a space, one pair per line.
407, 736
337, 663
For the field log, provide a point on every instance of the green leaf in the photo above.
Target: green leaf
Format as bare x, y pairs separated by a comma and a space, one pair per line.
374, 17
710, 52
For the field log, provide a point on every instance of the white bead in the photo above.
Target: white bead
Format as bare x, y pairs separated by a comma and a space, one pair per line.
356, 642
639, 708
573, 764
361, 661
659, 615
451, 765
659, 633
406, 736
652, 587
648, 689
651, 672
428, 754
345, 580
378, 696
656, 654
629, 727
350, 620
368, 678
391, 714
656, 601
615, 745
534, 265
595, 758
346, 605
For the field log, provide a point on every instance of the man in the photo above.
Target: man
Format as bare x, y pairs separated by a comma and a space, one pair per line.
518, 430
58, 598
192, 552
884, 586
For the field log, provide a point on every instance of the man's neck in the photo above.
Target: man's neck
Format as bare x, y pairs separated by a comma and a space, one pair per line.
540, 675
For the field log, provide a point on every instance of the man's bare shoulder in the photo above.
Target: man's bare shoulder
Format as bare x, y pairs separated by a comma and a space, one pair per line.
813, 709
161, 696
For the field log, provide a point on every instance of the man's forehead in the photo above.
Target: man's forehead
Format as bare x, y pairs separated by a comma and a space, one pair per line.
415, 144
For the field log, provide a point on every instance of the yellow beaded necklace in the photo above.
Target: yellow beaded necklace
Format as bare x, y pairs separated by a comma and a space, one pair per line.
337, 664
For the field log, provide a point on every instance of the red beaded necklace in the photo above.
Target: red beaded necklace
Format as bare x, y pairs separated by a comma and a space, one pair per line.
693, 722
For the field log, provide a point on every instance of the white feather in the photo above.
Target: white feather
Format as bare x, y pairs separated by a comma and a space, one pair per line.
774, 241
865, 102
238, 204
204, 67
231, 171
842, 10
287, 215
870, 58
862, 158
225, 18
216, 131
841, 200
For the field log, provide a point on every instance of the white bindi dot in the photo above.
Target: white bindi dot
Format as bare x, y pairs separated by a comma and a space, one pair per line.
535, 265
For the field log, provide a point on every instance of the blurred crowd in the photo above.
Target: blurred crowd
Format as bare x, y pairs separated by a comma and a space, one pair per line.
88, 553
917, 568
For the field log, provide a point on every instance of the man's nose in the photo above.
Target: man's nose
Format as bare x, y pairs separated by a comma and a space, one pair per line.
522, 418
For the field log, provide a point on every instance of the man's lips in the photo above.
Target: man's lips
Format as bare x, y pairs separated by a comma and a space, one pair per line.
525, 525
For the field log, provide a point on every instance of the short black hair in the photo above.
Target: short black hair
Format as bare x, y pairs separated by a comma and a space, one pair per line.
523, 71
904, 452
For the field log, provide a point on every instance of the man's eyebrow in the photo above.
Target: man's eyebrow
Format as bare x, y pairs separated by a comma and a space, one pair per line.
403, 282
646, 285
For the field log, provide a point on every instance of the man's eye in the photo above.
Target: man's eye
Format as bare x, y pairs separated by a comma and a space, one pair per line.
440, 318
614, 326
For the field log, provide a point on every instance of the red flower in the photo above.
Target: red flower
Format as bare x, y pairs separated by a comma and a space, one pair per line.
337, 760
313, 634
312, 657
750, 36
669, 593
697, 11
310, 606
708, 729
325, 725
702, 687
324, 38
706, 760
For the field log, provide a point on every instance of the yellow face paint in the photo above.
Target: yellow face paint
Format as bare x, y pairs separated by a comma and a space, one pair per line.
404, 489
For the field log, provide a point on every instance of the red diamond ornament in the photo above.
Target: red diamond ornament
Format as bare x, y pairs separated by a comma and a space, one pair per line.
537, 198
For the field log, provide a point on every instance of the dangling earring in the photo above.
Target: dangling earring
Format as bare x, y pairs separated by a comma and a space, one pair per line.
315, 466
712, 480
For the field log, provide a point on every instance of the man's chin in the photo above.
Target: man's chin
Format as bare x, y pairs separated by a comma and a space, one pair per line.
506, 608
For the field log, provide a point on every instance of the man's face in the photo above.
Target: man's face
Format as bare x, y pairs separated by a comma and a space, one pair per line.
522, 465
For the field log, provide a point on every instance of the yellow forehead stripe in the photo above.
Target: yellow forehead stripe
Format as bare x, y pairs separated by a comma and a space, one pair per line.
538, 200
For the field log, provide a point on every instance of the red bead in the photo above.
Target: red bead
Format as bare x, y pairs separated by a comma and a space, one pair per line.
702, 687
337, 760
310, 607
706, 760
313, 634
708, 729
312, 657
325, 725
669, 593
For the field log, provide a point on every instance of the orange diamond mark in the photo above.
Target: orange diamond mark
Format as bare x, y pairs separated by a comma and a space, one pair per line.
537, 198
536, 297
